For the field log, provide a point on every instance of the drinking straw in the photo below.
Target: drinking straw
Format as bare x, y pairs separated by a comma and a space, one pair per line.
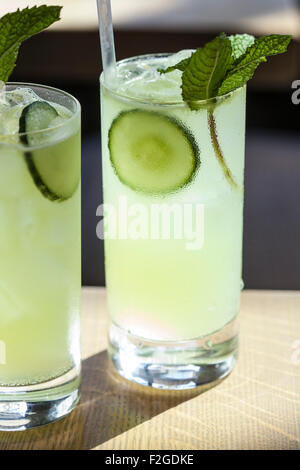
106, 40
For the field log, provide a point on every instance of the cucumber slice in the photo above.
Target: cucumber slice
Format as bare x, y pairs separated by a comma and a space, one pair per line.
35, 117
53, 167
151, 152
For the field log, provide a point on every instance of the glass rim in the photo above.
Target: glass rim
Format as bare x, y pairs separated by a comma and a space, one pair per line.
198, 103
50, 88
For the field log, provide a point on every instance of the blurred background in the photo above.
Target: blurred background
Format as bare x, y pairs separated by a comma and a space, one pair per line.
67, 56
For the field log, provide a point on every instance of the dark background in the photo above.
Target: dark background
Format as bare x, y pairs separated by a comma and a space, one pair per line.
71, 60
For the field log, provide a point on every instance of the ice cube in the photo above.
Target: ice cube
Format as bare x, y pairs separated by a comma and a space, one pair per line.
141, 79
11, 106
25, 96
178, 57
57, 133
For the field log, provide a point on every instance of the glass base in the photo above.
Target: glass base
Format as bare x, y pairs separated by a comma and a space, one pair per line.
26, 407
174, 365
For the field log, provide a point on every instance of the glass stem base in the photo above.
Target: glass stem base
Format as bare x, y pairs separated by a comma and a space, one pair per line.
174, 365
26, 407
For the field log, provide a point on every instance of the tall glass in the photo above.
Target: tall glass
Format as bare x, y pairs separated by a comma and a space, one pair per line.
40, 269
173, 257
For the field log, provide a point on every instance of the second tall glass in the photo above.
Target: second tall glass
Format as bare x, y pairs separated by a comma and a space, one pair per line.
40, 271
173, 218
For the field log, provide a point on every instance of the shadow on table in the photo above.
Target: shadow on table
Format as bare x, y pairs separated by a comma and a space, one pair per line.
109, 406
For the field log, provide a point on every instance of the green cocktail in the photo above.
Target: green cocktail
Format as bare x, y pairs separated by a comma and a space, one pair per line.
173, 133
40, 272
172, 293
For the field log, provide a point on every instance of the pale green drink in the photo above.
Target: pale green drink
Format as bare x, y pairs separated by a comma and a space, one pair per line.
162, 295
40, 272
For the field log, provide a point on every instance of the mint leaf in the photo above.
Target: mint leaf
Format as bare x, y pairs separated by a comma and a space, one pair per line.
17, 27
240, 43
206, 70
239, 76
244, 67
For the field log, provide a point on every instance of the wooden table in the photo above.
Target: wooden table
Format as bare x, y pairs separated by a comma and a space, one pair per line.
256, 407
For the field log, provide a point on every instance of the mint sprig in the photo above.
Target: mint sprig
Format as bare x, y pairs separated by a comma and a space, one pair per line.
17, 27
221, 66
225, 63
239, 44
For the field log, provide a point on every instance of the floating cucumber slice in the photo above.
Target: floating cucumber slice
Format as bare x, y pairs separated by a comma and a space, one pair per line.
35, 117
52, 166
151, 152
